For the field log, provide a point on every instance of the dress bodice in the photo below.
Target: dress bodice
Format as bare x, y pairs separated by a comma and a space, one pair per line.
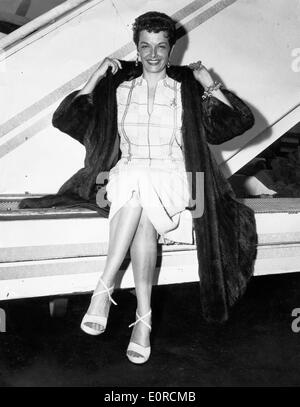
149, 137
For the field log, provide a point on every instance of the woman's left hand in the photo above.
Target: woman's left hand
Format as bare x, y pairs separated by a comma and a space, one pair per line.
201, 74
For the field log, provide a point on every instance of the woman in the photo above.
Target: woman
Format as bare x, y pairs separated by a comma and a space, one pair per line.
159, 117
149, 135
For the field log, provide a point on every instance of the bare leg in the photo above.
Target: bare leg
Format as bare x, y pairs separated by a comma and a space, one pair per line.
143, 253
122, 229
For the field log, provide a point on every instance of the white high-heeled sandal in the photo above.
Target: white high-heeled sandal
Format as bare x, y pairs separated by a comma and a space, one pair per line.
144, 351
96, 319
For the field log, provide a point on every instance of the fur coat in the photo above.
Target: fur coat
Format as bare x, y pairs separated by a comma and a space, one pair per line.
226, 237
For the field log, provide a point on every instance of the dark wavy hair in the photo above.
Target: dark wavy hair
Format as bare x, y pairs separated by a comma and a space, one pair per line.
153, 21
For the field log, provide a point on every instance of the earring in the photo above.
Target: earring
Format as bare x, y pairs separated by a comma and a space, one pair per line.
168, 64
137, 60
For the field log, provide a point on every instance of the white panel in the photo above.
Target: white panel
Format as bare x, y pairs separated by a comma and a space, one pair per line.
79, 275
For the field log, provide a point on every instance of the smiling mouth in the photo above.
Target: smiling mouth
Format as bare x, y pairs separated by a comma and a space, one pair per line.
153, 62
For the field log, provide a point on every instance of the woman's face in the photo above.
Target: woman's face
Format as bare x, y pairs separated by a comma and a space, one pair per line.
154, 50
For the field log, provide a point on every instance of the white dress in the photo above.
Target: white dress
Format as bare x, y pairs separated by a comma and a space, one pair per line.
152, 162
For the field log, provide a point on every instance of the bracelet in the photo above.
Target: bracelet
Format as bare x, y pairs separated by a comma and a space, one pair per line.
208, 91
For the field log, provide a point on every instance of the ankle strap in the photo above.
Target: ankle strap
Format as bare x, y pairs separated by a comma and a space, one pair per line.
106, 289
141, 318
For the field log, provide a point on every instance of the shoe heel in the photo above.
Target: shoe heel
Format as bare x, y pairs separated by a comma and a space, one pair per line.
97, 319
144, 351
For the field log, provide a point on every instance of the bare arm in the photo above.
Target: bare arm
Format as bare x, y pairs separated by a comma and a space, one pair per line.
220, 95
203, 76
224, 114
100, 73
76, 112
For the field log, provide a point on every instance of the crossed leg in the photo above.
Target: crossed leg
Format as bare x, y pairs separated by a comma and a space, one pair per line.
122, 228
143, 252
130, 227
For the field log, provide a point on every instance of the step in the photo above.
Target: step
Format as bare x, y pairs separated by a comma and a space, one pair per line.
42, 253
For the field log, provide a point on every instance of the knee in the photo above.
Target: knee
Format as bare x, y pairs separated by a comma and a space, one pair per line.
134, 200
145, 226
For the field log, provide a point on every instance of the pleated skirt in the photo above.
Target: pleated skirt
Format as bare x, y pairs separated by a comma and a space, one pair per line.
161, 188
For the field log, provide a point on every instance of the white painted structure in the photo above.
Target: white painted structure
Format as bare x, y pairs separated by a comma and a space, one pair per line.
47, 256
252, 46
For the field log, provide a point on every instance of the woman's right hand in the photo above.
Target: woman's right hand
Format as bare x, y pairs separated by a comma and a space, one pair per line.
114, 63
100, 72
